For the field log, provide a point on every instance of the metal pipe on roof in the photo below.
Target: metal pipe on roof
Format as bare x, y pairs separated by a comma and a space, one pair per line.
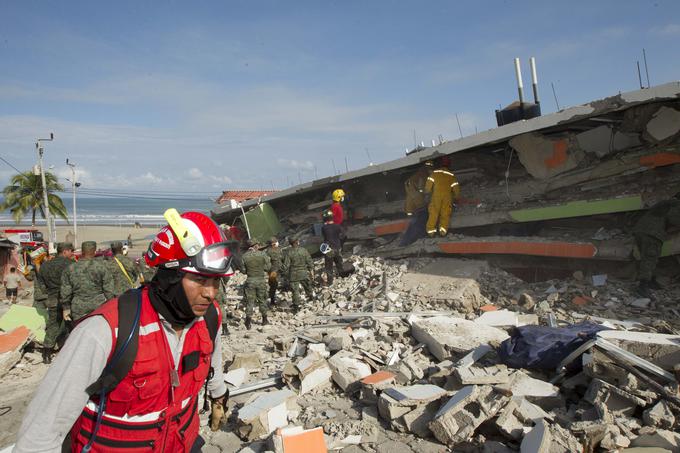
520, 85
534, 79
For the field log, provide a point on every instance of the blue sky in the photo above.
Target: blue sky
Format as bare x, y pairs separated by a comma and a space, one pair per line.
212, 95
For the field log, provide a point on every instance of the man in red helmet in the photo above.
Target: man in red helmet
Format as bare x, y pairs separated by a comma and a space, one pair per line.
109, 398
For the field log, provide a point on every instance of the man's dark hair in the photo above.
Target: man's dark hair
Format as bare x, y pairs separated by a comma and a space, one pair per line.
117, 247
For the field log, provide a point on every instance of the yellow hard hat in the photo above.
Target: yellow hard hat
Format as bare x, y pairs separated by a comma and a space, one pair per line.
338, 194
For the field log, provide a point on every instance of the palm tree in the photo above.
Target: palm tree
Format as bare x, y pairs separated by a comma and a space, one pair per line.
25, 193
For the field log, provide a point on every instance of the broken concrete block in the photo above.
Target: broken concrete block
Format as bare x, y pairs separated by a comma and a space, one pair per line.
250, 361
395, 402
518, 415
372, 385
497, 374
346, 369
661, 439
417, 421
338, 340
606, 397
659, 415
264, 413
660, 349
604, 139
458, 419
539, 392
320, 349
11, 347
446, 335
664, 124
236, 377
309, 373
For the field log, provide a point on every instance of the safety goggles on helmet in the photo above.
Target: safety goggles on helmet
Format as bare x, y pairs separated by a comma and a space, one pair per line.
215, 259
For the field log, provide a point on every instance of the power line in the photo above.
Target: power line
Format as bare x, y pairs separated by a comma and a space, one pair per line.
8, 163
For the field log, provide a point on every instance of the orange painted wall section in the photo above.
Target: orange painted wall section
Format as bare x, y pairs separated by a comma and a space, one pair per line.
560, 249
391, 228
14, 339
310, 441
660, 159
559, 156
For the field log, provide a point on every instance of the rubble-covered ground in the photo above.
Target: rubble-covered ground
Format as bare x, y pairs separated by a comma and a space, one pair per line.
403, 356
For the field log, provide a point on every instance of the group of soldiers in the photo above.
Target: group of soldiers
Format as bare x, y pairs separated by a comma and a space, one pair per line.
71, 289
267, 267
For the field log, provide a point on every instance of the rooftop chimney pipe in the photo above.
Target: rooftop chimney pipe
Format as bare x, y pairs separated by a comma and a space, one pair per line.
520, 86
534, 79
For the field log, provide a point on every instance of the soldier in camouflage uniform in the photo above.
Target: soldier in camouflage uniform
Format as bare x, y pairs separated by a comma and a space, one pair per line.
650, 233
298, 267
39, 290
85, 285
122, 280
49, 278
255, 263
274, 253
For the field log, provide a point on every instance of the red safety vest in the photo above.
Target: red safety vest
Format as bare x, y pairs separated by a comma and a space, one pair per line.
145, 413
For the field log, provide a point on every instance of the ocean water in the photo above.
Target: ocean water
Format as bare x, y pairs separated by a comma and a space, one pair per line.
119, 211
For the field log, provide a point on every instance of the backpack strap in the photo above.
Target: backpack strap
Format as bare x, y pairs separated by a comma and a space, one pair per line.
211, 319
127, 344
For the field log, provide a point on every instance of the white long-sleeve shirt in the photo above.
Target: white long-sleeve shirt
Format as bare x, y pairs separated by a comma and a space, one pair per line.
61, 396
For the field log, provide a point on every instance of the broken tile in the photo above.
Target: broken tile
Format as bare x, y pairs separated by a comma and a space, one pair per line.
347, 370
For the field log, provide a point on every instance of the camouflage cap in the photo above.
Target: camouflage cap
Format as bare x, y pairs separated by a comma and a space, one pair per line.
252, 242
61, 246
273, 240
89, 245
116, 245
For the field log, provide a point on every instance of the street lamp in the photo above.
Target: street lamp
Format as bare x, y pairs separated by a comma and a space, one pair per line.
74, 184
51, 234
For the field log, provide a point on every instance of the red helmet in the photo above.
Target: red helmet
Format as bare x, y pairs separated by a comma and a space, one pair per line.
212, 259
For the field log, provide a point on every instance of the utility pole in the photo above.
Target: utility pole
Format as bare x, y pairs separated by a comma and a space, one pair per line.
51, 234
74, 184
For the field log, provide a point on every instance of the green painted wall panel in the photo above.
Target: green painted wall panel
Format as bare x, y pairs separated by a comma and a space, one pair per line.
578, 209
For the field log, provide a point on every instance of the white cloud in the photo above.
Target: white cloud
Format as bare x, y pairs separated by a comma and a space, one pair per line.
195, 173
295, 164
668, 30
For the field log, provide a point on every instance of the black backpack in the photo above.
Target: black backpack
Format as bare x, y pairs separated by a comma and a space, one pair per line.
127, 341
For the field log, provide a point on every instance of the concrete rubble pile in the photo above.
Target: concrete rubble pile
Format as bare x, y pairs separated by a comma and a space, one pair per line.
422, 378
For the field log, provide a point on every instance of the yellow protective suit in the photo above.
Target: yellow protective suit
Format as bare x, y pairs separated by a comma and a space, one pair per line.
444, 187
414, 187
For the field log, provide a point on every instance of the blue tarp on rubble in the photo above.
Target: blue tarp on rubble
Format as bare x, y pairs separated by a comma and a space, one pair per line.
543, 348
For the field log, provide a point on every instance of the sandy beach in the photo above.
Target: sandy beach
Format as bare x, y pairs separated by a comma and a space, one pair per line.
103, 235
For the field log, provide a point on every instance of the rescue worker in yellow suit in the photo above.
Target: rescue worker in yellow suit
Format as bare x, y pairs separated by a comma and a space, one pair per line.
443, 185
414, 187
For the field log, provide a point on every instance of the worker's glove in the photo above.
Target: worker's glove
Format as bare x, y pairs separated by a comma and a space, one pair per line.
67, 314
217, 411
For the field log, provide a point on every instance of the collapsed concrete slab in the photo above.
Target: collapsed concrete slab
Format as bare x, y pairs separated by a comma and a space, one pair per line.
474, 375
545, 157
445, 335
264, 413
347, 369
660, 349
458, 419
